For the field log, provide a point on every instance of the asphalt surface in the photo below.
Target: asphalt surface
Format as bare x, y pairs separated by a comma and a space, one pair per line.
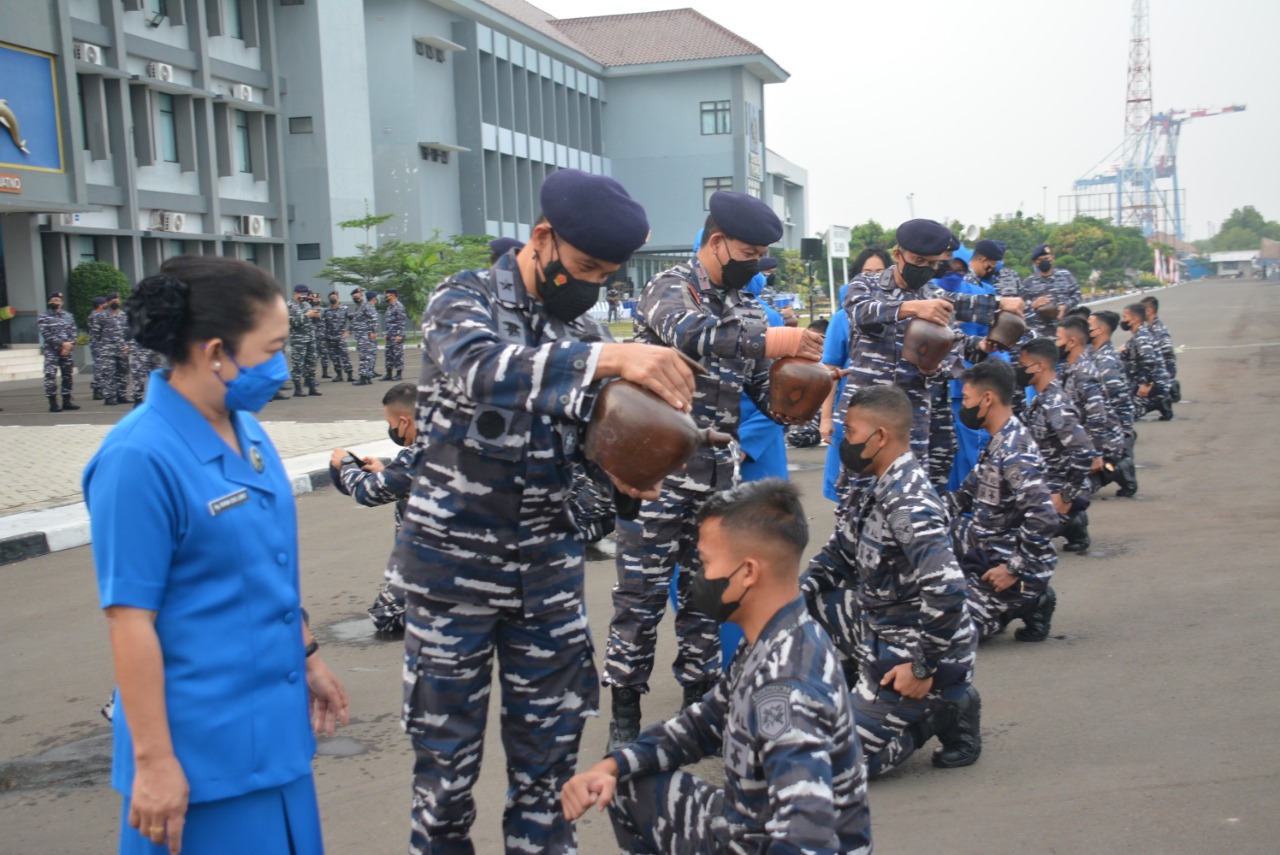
1147, 723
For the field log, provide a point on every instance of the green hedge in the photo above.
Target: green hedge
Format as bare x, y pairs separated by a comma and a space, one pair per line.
93, 279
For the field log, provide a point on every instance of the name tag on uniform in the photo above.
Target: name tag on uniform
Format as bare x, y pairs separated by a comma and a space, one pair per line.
227, 502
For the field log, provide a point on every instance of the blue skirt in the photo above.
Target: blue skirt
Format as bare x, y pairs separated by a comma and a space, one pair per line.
282, 820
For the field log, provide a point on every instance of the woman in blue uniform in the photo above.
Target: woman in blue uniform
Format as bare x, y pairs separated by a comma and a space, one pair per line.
196, 547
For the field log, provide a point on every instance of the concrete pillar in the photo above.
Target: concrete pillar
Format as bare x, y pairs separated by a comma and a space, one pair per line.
24, 274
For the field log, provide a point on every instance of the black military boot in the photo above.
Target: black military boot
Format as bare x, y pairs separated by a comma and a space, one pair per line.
624, 727
350, 379
68, 404
1076, 531
694, 692
959, 729
387, 378
53, 404
1037, 618
398, 373
1127, 478
1166, 409
297, 388
97, 394
324, 372
312, 390
337, 376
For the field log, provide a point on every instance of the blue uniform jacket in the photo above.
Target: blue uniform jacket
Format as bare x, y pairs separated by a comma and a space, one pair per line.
185, 527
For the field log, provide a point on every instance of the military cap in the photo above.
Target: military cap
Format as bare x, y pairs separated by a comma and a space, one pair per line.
768, 263
925, 237
992, 249
595, 214
1042, 249
503, 245
395, 291
99, 301
58, 294
112, 296
745, 218
301, 289
355, 292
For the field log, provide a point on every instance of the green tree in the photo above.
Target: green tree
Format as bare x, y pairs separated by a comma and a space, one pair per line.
372, 265
868, 234
1244, 229
93, 279
420, 266
1021, 235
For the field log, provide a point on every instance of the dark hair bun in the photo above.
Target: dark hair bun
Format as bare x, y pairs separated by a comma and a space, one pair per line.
158, 314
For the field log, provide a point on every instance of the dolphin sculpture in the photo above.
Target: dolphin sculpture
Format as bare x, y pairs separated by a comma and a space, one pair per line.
10, 122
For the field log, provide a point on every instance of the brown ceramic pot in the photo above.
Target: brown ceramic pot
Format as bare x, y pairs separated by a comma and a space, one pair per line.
925, 344
639, 438
1008, 329
797, 387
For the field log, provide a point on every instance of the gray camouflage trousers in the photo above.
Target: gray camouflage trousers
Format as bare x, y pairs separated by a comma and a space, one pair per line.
141, 363
303, 361
367, 349
338, 354
884, 719
54, 362
649, 548
114, 382
668, 813
549, 686
991, 611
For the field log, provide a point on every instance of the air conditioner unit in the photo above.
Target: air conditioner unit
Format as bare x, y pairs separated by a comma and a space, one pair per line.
254, 225
160, 71
86, 52
167, 221
243, 91
64, 219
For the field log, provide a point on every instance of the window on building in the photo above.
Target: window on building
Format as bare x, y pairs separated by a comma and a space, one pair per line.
84, 115
166, 128
235, 22
308, 251
301, 125
711, 185
177, 247
715, 118
249, 252
155, 7
244, 159
86, 250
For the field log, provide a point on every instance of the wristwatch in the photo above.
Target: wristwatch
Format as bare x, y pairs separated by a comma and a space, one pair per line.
921, 671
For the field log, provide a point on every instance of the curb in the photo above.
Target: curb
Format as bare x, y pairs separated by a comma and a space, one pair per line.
35, 533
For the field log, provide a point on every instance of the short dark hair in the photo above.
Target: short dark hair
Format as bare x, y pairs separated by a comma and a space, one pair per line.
888, 402
860, 261
1078, 312
993, 375
1108, 317
769, 509
196, 298
1043, 348
1153, 302
820, 325
1076, 327
402, 396
709, 228
1138, 309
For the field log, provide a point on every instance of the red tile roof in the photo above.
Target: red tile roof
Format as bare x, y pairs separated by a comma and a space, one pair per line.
672, 35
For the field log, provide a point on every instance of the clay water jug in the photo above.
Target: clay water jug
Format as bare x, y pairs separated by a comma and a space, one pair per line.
797, 387
925, 344
1007, 330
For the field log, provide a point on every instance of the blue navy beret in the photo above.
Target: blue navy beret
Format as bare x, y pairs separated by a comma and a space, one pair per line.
1042, 249
356, 292
594, 214
503, 245
925, 237
395, 291
768, 263
112, 296
99, 301
745, 218
992, 249
301, 289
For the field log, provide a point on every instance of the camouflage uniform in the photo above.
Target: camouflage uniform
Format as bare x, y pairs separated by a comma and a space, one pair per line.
364, 320
1067, 451
794, 775
1115, 385
875, 350
142, 362
56, 329
397, 321
1008, 283
94, 325
391, 484
592, 502
335, 324
1164, 341
1083, 387
317, 330
1060, 286
302, 344
724, 330
1002, 514
114, 348
892, 546
491, 561
1144, 365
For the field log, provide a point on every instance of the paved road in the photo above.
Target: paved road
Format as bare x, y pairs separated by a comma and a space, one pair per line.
1147, 724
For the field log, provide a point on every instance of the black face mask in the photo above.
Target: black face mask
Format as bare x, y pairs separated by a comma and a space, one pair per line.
396, 436
706, 595
1126, 326
851, 455
737, 273
333, 301
1021, 377
565, 297
358, 300
1044, 266
53, 307
768, 281
1063, 354
916, 276
115, 304
969, 417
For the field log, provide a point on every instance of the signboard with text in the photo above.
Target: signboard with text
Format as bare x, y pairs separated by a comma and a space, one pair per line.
30, 128
838, 241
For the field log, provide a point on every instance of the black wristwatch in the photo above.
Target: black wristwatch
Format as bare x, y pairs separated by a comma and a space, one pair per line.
921, 671
312, 648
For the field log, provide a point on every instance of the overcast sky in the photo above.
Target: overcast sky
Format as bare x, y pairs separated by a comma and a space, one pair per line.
975, 106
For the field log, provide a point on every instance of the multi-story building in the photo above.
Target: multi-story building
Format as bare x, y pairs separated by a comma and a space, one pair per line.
252, 128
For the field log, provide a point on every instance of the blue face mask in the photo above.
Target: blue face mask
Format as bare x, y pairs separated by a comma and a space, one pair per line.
256, 385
